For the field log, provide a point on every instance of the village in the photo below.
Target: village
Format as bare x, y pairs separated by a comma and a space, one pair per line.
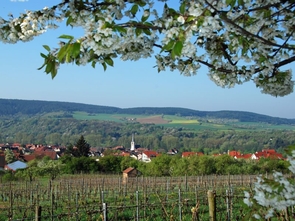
26, 153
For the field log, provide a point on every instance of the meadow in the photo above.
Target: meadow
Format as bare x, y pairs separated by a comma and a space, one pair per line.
184, 122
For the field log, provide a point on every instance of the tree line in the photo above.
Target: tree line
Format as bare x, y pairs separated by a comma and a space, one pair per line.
11, 107
52, 131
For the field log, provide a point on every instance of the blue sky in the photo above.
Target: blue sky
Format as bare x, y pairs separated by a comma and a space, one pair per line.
128, 84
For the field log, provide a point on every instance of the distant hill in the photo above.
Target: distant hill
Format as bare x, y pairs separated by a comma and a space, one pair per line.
10, 107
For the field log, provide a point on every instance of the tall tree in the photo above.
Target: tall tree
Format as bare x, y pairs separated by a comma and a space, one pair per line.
9, 156
83, 147
238, 41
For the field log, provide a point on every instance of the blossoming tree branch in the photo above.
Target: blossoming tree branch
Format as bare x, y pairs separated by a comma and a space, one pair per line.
237, 40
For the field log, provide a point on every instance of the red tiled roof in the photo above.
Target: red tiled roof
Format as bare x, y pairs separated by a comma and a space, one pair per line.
188, 154
244, 156
150, 153
125, 154
268, 154
234, 153
16, 145
40, 154
268, 151
128, 170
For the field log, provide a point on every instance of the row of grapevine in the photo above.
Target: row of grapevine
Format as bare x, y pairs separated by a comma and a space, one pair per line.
94, 197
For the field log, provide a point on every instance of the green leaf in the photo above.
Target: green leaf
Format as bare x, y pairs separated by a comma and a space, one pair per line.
42, 66
178, 48
190, 18
49, 67
244, 50
62, 53
231, 3
93, 64
134, 9
43, 55
66, 37
69, 53
109, 61
168, 46
120, 29
76, 49
138, 31
46, 47
104, 66
266, 13
141, 3
147, 31
145, 18
228, 2
241, 2
182, 7
69, 20
53, 70
173, 54
262, 59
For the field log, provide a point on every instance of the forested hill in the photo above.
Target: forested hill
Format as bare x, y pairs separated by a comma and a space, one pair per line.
10, 107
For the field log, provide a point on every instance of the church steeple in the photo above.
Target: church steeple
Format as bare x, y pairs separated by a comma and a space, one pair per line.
132, 143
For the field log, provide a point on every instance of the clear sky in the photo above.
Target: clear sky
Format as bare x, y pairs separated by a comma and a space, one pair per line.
128, 84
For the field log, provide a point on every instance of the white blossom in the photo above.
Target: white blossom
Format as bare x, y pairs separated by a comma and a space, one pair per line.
240, 45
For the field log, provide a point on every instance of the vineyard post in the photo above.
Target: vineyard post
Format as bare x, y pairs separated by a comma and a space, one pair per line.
137, 206
119, 184
38, 210
32, 201
231, 194
167, 189
68, 189
26, 200
105, 212
102, 196
228, 205
77, 205
137, 183
145, 199
185, 178
37, 207
85, 189
212, 205
196, 193
10, 202
287, 214
52, 200
125, 189
179, 201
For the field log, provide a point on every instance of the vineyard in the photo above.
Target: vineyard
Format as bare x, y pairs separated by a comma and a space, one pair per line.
90, 197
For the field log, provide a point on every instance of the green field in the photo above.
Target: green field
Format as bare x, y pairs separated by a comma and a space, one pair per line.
183, 122
104, 117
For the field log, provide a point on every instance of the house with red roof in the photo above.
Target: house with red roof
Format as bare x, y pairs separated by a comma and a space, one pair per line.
244, 156
189, 154
130, 172
39, 155
267, 153
148, 155
234, 153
